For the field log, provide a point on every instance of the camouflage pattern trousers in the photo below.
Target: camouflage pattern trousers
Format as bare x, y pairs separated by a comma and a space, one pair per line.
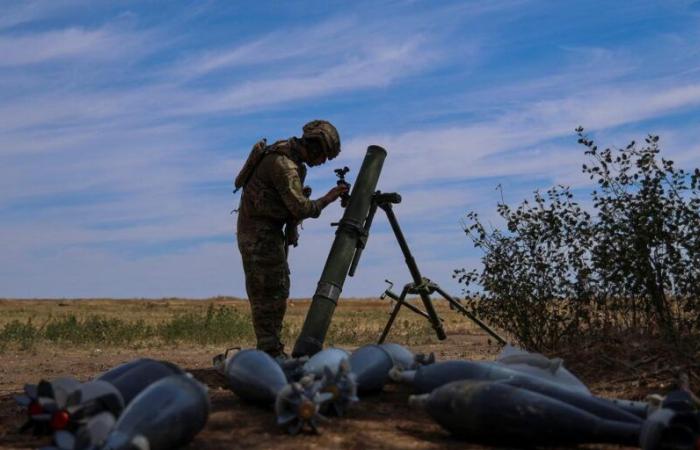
267, 284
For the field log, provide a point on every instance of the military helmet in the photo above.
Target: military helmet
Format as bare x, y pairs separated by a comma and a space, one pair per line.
325, 133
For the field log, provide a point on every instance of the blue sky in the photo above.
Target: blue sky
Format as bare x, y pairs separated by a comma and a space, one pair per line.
122, 124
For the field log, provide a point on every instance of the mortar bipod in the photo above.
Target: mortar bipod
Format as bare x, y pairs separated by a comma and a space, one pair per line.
432, 287
420, 286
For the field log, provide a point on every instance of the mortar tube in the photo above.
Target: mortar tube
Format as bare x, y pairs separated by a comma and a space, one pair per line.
350, 230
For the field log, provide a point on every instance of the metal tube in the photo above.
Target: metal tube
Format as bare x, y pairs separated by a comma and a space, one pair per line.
350, 230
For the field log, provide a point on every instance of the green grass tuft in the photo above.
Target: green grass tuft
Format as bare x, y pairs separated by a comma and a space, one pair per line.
216, 325
22, 334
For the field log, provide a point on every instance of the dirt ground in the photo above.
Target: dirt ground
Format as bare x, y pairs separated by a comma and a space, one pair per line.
381, 421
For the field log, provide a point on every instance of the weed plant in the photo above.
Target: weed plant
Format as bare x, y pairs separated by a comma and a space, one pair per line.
218, 325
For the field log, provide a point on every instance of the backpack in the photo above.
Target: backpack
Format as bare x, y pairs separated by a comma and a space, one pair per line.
259, 150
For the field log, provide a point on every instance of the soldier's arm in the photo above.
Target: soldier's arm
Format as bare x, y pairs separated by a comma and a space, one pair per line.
287, 183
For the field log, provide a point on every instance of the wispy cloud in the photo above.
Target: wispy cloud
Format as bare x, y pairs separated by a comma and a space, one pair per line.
331, 58
60, 44
120, 133
20, 13
331, 39
377, 69
513, 144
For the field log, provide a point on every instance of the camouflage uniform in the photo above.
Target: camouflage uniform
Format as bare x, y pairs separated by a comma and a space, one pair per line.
271, 198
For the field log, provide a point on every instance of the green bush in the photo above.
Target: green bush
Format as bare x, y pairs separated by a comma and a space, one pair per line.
630, 263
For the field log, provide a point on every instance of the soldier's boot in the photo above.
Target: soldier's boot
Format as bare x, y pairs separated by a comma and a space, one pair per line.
271, 345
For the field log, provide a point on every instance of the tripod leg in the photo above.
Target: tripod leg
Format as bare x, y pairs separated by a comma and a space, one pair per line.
455, 304
409, 306
394, 313
418, 280
417, 310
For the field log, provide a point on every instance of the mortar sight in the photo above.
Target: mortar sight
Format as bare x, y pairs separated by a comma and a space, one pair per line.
340, 173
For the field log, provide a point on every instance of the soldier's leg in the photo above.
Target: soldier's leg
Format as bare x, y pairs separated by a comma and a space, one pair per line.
267, 285
268, 289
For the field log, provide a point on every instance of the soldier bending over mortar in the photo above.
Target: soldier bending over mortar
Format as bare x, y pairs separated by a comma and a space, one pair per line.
272, 205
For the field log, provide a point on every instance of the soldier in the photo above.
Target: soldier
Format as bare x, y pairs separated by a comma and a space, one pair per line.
273, 199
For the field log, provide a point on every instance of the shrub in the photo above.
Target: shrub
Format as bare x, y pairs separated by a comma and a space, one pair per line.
629, 263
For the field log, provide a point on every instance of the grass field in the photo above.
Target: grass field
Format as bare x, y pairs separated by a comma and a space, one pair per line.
136, 323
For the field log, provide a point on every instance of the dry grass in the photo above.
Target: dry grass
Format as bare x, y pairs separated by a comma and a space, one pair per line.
138, 323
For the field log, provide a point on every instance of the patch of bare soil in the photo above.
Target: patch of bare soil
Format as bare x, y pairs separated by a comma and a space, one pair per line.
383, 421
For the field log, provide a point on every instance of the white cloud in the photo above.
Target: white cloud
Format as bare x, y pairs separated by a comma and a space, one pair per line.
515, 143
375, 70
369, 66
313, 44
134, 141
212, 269
32, 10
61, 44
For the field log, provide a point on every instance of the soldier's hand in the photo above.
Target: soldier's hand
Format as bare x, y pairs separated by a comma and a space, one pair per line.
291, 235
335, 192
